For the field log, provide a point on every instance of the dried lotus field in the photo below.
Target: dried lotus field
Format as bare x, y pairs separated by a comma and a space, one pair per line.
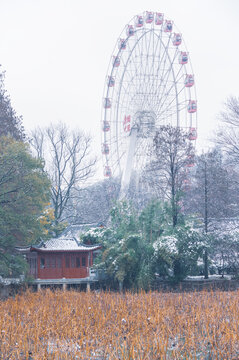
77, 325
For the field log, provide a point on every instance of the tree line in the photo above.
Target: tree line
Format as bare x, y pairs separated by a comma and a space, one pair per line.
183, 222
190, 224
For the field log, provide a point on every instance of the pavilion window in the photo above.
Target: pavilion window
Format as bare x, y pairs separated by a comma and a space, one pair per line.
73, 262
58, 262
67, 261
48, 262
42, 263
83, 261
77, 262
53, 262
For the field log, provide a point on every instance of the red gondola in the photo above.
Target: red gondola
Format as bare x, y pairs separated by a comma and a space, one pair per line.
177, 39
105, 149
158, 18
139, 22
190, 161
149, 17
122, 44
106, 126
107, 103
168, 26
183, 57
116, 61
192, 106
192, 134
111, 81
130, 30
186, 184
107, 171
189, 80
126, 123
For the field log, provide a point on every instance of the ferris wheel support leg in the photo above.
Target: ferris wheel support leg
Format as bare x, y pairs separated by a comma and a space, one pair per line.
125, 180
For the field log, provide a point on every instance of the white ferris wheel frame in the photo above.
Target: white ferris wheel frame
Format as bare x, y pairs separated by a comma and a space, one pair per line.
149, 74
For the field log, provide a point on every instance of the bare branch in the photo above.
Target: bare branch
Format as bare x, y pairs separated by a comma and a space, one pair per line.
68, 161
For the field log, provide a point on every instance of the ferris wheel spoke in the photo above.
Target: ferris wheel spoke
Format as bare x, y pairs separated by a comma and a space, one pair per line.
148, 53
165, 71
172, 108
175, 83
166, 95
152, 70
136, 60
165, 76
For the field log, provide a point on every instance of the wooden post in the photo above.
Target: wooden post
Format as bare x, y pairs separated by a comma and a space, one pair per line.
38, 287
88, 286
64, 284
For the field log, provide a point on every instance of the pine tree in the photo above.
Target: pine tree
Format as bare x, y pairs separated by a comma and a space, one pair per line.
10, 123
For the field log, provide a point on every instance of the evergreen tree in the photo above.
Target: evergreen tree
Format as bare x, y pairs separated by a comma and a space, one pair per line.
24, 193
10, 123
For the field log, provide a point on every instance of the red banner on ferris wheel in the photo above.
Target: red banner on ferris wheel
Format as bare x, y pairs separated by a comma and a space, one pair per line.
126, 123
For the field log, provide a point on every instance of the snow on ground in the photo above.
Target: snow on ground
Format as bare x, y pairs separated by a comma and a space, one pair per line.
210, 277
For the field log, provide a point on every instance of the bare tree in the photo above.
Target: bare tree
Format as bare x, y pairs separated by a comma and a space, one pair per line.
213, 196
68, 161
231, 113
173, 153
94, 203
228, 136
209, 195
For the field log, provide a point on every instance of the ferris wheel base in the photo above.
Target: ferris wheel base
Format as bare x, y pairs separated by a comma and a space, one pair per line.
126, 176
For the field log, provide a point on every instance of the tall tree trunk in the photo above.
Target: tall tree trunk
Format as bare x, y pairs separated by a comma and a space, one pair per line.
206, 221
206, 264
174, 206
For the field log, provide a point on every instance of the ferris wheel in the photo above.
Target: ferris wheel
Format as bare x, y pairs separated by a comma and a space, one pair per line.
149, 83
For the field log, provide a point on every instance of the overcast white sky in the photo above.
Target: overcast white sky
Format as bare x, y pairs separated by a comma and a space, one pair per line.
56, 55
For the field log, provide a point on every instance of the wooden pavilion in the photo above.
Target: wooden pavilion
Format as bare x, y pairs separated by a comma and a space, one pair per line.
63, 260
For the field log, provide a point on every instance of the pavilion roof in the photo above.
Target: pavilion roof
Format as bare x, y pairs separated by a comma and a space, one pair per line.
61, 243
64, 244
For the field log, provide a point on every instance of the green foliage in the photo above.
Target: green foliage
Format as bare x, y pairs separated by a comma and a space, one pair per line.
12, 264
24, 192
135, 247
152, 220
123, 218
179, 249
92, 236
225, 252
127, 244
11, 124
121, 245
190, 246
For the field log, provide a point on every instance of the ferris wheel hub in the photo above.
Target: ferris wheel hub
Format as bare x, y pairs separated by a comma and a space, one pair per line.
145, 121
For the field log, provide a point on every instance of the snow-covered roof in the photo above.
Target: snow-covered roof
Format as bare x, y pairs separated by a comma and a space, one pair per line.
64, 244
67, 241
